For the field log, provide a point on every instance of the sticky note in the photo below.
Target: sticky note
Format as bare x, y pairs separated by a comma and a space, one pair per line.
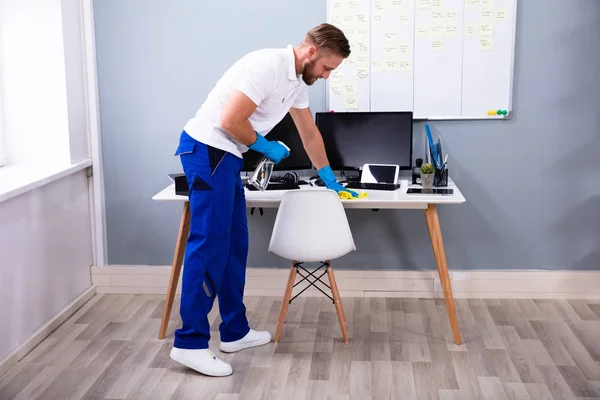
486, 30
351, 103
377, 18
396, 4
437, 30
336, 20
337, 4
378, 5
404, 48
335, 89
336, 76
487, 15
471, 30
437, 15
363, 33
487, 3
404, 18
423, 30
349, 88
437, 45
404, 65
485, 44
452, 15
361, 18
390, 37
451, 30
378, 66
424, 4
363, 46
362, 73
473, 3
353, 3
437, 3
362, 61
391, 65
501, 15
391, 52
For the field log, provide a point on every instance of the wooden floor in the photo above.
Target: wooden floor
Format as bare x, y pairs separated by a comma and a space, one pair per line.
399, 349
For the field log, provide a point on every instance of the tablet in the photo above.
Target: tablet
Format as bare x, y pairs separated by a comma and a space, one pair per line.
380, 173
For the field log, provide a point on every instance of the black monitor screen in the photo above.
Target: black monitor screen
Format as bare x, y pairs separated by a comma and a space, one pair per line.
353, 139
286, 132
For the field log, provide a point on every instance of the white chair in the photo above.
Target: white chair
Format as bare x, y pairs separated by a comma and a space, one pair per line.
311, 226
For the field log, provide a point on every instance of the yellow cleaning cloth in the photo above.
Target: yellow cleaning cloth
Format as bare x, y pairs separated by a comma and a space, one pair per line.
347, 196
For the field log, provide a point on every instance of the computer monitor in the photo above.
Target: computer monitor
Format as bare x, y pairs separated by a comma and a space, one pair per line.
353, 139
286, 132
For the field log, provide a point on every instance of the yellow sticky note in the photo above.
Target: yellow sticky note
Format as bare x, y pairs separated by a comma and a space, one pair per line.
335, 89
485, 44
437, 15
404, 49
437, 45
349, 88
501, 15
362, 73
363, 46
336, 76
486, 15
471, 30
362, 61
423, 30
404, 18
391, 52
361, 18
451, 30
391, 65
424, 4
404, 65
378, 66
336, 20
452, 15
337, 4
390, 37
473, 3
396, 3
487, 3
437, 3
353, 3
437, 30
377, 18
486, 30
378, 5
351, 103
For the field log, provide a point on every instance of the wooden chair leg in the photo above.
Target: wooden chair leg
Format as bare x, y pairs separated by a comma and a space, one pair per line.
338, 302
184, 230
287, 295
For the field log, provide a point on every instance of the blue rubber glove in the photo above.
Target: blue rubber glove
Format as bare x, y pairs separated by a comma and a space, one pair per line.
273, 150
326, 174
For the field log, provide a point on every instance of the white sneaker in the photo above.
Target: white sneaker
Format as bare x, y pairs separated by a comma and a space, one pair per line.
252, 339
202, 360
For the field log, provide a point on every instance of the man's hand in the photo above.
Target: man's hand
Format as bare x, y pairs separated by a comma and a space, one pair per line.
326, 174
273, 150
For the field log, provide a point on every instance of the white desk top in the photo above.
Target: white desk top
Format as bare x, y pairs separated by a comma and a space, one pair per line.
376, 198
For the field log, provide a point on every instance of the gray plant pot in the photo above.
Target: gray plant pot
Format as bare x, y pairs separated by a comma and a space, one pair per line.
427, 180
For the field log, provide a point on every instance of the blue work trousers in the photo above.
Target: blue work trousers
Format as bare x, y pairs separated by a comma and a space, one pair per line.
217, 246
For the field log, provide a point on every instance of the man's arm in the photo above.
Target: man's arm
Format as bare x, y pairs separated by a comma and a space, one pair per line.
311, 137
234, 118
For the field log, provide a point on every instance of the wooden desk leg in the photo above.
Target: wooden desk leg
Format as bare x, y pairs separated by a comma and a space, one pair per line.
433, 224
184, 230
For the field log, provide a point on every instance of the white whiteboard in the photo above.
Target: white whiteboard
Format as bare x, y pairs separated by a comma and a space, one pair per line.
441, 59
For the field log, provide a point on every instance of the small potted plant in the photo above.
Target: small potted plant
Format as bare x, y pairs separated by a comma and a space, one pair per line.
427, 174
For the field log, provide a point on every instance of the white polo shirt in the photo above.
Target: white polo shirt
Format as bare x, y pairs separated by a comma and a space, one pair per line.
268, 77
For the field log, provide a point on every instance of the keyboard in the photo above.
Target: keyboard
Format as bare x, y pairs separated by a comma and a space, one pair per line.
275, 186
373, 186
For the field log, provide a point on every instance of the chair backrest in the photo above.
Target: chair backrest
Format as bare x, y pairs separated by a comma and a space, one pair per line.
311, 226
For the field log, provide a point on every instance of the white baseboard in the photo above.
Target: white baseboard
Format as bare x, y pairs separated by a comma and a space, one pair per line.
31, 342
376, 283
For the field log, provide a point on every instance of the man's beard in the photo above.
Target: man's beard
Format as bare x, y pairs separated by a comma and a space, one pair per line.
308, 75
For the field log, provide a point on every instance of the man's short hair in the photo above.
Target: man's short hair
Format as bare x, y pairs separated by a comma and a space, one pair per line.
330, 37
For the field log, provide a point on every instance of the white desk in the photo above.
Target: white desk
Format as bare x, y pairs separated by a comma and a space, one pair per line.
397, 199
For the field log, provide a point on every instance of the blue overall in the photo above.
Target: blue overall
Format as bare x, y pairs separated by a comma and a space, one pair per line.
217, 247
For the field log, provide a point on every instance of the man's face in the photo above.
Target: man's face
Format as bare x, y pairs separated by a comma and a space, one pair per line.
319, 65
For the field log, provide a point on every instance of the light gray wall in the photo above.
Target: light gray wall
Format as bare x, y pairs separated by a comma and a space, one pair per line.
531, 183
